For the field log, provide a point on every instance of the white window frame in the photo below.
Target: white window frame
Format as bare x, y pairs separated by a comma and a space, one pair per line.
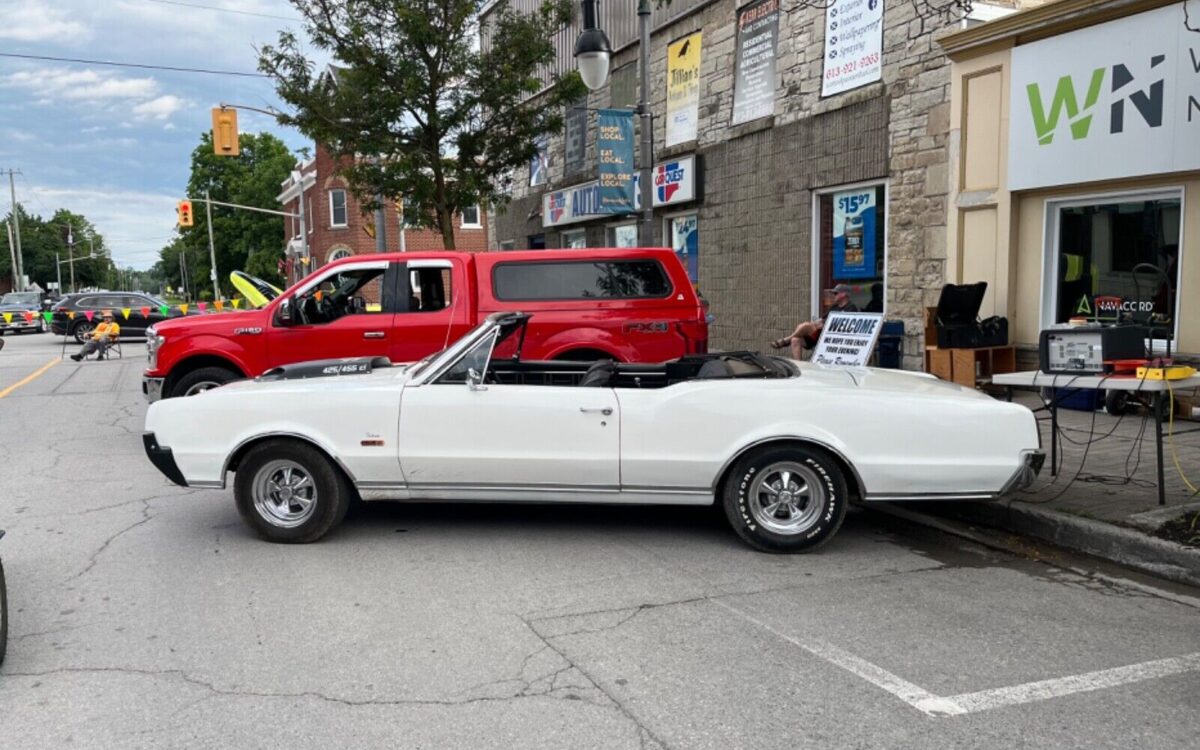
574, 233
345, 209
316, 280
610, 232
478, 224
338, 253
1048, 298
311, 217
815, 228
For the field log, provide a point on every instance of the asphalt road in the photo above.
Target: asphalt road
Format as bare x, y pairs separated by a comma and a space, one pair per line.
146, 615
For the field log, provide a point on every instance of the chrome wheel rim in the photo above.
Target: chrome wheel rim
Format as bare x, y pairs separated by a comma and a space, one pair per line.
787, 498
82, 331
284, 493
201, 387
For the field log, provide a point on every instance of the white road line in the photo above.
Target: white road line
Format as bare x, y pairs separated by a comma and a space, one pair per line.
983, 700
1080, 683
914, 695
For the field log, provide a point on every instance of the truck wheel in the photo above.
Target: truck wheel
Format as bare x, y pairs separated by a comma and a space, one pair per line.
289, 492
82, 331
204, 379
786, 498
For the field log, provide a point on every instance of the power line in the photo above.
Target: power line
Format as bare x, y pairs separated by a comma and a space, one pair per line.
135, 65
225, 10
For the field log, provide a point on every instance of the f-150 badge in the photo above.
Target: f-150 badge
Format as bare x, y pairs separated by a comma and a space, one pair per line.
246, 331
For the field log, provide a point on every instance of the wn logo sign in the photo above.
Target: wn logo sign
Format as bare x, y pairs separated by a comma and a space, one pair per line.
1065, 100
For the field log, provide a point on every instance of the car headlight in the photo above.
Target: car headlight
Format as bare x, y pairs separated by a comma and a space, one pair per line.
153, 342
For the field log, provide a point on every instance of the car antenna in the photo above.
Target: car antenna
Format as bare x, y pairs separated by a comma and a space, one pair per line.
450, 325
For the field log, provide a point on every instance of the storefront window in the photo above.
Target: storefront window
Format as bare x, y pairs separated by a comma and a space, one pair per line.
685, 240
574, 239
1117, 260
851, 247
623, 235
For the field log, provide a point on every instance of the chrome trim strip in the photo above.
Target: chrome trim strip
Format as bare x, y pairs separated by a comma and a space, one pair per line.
658, 490
381, 486
207, 485
485, 487
862, 487
899, 496
298, 436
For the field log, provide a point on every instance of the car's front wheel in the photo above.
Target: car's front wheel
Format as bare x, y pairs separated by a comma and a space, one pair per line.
289, 492
203, 379
788, 498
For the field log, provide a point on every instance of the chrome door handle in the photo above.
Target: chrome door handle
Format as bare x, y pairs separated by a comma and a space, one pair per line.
607, 410
374, 334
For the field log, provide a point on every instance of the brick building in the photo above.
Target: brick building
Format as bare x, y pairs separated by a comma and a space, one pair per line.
801, 171
337, 226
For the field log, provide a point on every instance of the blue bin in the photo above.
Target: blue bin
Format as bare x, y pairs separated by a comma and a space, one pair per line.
889, 350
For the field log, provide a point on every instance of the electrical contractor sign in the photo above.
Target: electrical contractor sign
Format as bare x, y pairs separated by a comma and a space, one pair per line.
1121, 99
754, 84
847, 339
853, 45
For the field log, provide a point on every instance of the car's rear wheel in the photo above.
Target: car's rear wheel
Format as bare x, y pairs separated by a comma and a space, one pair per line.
788, 498
289, 492
203, 379
82, 331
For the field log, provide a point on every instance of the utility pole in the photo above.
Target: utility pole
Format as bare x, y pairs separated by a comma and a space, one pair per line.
12, 191
212, 252
71, 253
12, 254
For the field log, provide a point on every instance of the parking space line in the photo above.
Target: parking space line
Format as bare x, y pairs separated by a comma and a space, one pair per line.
984, 700
29, 378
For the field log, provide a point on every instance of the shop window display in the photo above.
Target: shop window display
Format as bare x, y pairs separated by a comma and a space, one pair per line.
1117, 261
852, 248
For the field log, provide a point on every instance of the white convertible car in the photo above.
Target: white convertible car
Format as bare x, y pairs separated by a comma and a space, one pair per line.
782, 445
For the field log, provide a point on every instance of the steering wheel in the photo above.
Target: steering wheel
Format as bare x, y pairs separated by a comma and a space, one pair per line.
325, 309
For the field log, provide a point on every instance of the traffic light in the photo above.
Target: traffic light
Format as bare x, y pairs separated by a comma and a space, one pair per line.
184, 209
225, 131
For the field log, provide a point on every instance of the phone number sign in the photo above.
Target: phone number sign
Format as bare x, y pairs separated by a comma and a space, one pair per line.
853, 45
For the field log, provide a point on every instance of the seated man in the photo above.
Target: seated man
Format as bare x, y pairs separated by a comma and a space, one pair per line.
102, 337
808, 333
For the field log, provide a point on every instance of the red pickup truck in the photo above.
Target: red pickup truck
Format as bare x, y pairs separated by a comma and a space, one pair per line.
632, 305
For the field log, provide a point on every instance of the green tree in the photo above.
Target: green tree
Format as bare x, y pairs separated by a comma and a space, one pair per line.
444, 119
46, 241
250, 179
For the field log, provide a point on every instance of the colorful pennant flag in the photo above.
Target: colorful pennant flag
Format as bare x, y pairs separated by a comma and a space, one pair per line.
306, 260
183, 309
220, 305
28, 316
8, 317
125, 311
164, 310
89, 314
47, 316
70, 315
236, 302
145, 312
202, 305
319, 295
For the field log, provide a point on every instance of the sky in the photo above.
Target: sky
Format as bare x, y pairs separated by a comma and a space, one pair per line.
114, 144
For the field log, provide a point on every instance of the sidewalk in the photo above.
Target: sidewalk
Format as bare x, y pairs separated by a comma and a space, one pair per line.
1104, 501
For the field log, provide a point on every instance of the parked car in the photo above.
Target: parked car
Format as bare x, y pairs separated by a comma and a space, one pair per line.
96, 302
26, 310
782, 445
631, 305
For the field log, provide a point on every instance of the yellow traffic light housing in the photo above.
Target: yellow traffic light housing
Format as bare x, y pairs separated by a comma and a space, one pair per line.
225, 131
184, 209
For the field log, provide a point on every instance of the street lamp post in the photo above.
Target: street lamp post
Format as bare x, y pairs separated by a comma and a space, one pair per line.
593, 55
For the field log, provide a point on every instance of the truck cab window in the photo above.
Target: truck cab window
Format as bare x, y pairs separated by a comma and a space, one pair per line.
356, 291
429, 289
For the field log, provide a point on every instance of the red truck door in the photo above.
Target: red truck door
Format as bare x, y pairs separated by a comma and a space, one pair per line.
346, 312
434, 307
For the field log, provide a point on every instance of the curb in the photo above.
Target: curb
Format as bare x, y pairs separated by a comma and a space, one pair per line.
1116, 544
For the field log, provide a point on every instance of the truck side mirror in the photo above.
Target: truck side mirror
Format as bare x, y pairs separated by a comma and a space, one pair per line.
283, 315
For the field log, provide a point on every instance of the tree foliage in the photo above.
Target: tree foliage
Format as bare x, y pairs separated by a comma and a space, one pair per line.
243, 240
445, 120
44, 241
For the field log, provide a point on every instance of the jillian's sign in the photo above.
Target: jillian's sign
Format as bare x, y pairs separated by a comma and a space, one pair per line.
847, 339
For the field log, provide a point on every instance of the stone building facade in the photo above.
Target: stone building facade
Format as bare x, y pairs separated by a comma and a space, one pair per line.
337, 226
766, 188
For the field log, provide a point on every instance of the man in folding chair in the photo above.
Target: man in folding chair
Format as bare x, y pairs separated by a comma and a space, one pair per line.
103, 337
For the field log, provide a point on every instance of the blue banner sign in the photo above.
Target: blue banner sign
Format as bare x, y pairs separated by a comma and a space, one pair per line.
615, 148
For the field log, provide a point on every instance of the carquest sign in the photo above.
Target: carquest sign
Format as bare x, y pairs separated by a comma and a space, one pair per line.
675, 181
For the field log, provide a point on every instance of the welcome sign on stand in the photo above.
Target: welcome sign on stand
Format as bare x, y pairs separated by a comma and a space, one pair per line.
848, 339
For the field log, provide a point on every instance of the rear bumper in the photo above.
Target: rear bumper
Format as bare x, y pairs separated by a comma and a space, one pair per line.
152, 388
162, 459
1031, 466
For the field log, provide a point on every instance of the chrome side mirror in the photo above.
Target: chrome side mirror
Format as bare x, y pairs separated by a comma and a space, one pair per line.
475, 380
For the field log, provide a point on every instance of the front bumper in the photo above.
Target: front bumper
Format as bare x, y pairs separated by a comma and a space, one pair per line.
1031, 466
152, 388
163, 459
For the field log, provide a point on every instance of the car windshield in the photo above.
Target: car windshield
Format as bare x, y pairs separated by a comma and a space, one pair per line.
20, 298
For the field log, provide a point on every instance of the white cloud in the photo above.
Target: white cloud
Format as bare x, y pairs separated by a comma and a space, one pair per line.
53, 84
33, 21
160, 108
136, 224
